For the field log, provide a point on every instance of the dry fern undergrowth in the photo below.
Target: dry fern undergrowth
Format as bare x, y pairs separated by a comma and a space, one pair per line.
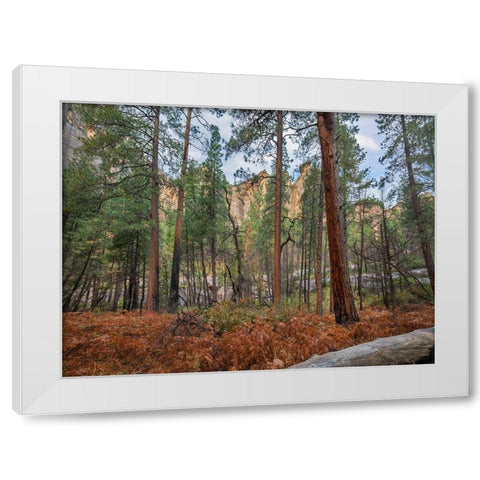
132, 343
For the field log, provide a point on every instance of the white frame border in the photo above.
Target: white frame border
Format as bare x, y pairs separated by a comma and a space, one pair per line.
38, 387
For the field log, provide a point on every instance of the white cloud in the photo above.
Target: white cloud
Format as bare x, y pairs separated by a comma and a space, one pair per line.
368, 143
236, 161
223, 123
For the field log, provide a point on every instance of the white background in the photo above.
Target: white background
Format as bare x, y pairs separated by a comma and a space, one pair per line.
410, 40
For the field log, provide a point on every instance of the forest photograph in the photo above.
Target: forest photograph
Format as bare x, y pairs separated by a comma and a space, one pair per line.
209, 239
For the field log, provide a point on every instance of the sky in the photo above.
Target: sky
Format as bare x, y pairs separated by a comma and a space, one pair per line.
367, 137
370, 141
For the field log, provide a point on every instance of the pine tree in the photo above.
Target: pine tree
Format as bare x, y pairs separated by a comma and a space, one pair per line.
153, 293
260, 135
343, 303
409, 145
174, 295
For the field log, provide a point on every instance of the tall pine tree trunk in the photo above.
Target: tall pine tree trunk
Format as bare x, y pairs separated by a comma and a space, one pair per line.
426, 250
343, 304
277, 224
153, 292
177, 244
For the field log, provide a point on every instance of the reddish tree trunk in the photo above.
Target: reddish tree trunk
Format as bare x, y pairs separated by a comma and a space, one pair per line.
153, 292
177, 243
343, 304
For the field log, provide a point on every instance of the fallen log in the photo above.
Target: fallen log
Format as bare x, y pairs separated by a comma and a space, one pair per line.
410, 348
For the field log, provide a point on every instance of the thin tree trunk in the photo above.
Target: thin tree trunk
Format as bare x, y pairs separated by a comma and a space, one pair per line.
305, 271
117, 292
194, 276
224, 278
269, 280
213, 240
94, 300
213, 253
310, 241
232, 281
343, 304
238, 251
85, 290
324, 276
125, 292
277, 224
153, 292
142, 299
362, 249
134, 276
388, 258
66, 302
188, 268
177, 245
384, 276
426, 250
302, 262
206, 293
318, 272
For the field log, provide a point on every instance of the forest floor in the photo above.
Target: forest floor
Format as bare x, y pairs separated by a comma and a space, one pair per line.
111, 343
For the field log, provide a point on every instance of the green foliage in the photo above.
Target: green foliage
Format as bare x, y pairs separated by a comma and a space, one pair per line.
226, 315
106, 193
420, 134
107, 189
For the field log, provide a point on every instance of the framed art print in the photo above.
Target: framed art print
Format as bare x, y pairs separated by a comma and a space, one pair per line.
186, 240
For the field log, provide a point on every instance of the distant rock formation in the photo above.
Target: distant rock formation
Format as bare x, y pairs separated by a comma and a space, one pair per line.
243, 194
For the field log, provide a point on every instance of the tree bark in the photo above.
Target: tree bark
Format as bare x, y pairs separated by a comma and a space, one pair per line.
361, 256
277, 223
417, 347
318, 272
213, 254
174, 296
153, 292
309, 264
301, 288
213, 240
388, 258
66, 302
426, 250
343, 304
142, 297
206, 292
134, 276
117, 291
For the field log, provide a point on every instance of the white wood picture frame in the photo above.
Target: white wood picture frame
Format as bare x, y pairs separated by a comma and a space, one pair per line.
38, 386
